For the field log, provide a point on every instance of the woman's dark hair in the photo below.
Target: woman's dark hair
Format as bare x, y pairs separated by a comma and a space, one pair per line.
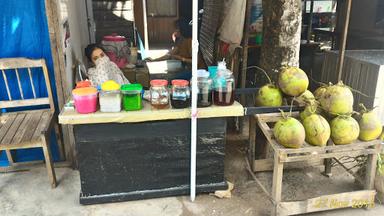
89, 50
184, 27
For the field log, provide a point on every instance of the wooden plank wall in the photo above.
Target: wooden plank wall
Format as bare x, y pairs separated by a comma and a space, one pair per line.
361, 76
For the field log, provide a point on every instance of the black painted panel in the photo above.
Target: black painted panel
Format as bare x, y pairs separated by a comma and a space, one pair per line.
138, 158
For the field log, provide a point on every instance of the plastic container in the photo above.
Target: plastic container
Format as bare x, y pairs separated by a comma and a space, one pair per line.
132, 99
116, 48
159, 94
85, 100
181, 94
110, 101
224, 84
110, 97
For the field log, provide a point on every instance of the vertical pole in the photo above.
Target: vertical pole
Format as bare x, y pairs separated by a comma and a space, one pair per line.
310, 20
146, 43
195, 49
343, 41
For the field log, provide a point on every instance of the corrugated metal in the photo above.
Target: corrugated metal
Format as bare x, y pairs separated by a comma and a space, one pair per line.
363, 71
208, 31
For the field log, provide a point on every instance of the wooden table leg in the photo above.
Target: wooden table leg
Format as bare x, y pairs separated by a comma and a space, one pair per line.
328, 165
252, 142
371, 170
277, 181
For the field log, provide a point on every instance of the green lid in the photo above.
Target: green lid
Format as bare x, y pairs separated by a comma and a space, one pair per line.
131, 87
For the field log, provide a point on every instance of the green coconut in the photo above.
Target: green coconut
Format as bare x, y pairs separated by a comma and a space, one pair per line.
337, 100
317, 130
269, 95
311, 108
319, 92
289, 132
370, 126
293, 81
344, 130
305, 98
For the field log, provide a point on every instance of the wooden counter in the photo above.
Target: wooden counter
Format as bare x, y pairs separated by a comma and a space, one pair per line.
71, 117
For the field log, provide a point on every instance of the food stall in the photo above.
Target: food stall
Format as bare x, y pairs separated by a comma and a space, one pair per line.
146, 154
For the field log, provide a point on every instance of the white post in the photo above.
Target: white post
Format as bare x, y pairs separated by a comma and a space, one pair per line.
195, 49
146, 43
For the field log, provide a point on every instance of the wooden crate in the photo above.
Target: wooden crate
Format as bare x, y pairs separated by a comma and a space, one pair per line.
311, 155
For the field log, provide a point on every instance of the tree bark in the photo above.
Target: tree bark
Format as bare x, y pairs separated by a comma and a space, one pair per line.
281, 34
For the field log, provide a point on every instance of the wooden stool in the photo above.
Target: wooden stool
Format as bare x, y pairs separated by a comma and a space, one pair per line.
283, 155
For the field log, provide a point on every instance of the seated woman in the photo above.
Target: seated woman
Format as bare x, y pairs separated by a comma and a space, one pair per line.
104, 68
183, 50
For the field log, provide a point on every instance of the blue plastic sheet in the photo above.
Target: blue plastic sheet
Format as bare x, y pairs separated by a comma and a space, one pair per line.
24, 33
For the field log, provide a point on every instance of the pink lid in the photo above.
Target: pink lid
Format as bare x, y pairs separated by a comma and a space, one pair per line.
159, 82
180, 83
114, 38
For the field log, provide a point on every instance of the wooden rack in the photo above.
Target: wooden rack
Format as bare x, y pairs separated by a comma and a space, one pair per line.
310, 155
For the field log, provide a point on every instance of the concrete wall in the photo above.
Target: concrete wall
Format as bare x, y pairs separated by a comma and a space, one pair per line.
78, 25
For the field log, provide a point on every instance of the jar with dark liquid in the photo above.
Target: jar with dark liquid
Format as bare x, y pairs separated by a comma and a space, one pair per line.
159, 94
204, 86
181, 94
224, 85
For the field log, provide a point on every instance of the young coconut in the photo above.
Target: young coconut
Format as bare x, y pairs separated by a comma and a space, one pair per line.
289, 132
337, 100
319, 92
344, 130
293, 81
305, 98
370, 126
269, 95
317, 130
310, 108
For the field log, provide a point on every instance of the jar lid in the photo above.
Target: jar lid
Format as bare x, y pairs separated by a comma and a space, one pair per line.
202, 73
110, 85
180, 83
114, 38
84, 91
83, 84
132, 87
159, 82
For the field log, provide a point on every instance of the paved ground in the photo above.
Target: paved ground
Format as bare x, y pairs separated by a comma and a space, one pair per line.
29, 194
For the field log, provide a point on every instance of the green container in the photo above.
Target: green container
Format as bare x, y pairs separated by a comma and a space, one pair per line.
132, 97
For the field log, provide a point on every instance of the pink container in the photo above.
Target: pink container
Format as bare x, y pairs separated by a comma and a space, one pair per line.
85, 100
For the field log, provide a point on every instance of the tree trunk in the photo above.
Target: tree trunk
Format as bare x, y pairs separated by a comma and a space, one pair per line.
281, 34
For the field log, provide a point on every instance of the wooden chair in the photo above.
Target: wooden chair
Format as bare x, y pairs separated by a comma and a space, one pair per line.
28, 129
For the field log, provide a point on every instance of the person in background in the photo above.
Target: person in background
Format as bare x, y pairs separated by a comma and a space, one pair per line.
182, 50
104, 69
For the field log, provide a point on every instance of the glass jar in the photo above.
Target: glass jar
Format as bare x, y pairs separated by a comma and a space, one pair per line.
181, 94
110, 101
159, 94
224, 85
204, 87
132, 99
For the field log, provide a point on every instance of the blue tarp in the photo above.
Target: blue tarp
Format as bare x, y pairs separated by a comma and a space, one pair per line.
24, 33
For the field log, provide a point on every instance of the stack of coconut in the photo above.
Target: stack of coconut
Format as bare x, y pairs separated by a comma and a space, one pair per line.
328, 113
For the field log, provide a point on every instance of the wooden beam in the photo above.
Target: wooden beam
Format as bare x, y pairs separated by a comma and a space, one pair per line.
343, 41
356, 199
53, 14
263, 165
